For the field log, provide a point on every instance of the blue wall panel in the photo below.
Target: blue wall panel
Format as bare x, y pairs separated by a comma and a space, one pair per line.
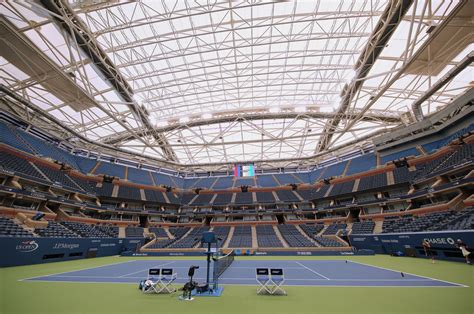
26, 251
442, 242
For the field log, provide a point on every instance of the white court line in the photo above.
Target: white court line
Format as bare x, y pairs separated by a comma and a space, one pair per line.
249, 285
239, 278
71, 271
136, 272
312, 270
397, 271
238, 267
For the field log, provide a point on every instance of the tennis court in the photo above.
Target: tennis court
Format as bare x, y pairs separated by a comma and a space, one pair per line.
242, 272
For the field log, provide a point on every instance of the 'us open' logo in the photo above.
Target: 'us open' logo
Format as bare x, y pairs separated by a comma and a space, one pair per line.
27, 246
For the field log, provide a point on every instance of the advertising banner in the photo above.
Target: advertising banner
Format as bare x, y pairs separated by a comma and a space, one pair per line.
443, 243
26, 251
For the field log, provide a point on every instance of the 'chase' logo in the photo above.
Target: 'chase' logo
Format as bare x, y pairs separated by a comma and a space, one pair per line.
440, 240
27, 246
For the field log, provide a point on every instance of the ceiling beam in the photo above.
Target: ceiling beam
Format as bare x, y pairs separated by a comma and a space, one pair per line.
22, 53
464, 63
73, 25
5, 91
373, 115
386, 26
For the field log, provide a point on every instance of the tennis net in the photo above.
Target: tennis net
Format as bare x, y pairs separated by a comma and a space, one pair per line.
222, 263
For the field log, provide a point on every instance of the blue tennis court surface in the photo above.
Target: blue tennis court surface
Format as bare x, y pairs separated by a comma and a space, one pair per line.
297, 273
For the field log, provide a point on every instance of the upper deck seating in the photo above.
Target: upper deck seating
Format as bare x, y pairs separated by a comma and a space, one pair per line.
19, 166
266, 180
9, 137
223, 183
109, 169
335, 170
287, 196
154, 196
129, 192
243, 198
362, 164
400, 154
139, 176
264, 197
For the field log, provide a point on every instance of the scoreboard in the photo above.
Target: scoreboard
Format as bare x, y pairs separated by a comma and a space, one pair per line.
244, 170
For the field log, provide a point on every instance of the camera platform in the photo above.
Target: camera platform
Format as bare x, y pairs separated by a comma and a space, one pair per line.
208, 293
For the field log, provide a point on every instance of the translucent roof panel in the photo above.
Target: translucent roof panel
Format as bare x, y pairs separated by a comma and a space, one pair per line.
231, 55
228, 81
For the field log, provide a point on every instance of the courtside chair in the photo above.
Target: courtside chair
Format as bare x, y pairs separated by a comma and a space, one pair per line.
263, 280
277, 279
168, 276
152, 282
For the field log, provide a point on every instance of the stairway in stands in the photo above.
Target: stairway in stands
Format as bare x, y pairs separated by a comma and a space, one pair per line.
229, 238
280, 237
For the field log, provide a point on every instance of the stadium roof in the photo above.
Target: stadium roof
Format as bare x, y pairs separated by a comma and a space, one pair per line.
206, 82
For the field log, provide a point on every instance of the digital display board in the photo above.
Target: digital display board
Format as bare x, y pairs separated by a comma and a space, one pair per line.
246, 170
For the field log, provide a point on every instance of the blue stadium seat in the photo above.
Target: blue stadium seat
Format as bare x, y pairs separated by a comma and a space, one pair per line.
85, 164
45, 149
335, 170
362, 164
315, 175
266, 181
223, 183
110, 169
163, 179
8, 136
139, 176
404, 153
